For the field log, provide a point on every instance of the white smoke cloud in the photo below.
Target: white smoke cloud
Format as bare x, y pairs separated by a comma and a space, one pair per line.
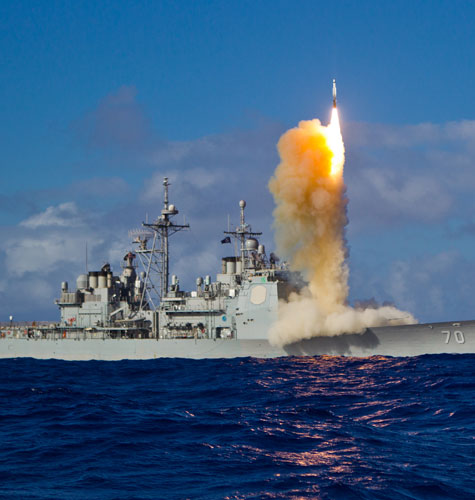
310, 219
302, 318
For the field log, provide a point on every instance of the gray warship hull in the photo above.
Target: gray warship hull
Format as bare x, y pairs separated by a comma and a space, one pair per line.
407, 340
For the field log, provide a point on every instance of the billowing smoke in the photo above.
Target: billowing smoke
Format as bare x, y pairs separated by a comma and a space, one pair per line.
310, 219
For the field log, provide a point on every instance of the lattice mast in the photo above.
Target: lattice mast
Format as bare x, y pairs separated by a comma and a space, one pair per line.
155, 260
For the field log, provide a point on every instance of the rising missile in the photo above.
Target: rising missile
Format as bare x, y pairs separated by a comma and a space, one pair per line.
334, 93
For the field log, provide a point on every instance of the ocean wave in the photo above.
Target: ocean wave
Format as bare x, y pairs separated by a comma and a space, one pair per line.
322, 427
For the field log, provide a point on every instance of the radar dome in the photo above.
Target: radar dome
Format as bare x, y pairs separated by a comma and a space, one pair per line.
82, 282
242, 204
252, 244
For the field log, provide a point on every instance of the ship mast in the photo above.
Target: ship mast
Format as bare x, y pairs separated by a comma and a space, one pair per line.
242, 232
163, 228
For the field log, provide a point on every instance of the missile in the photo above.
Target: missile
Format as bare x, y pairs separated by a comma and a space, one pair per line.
334, 93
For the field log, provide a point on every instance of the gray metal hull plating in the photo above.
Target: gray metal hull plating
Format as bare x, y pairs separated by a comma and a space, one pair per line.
409, 340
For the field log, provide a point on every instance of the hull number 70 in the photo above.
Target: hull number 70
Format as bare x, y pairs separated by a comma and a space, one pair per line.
457, 335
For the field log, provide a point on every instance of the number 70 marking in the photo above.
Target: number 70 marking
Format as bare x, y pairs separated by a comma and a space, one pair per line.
458, 335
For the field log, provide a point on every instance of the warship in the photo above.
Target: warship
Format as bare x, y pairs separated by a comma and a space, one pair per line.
142, 314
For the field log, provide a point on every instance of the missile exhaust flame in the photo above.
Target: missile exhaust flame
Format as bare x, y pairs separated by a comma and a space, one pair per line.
335, 144
310, 219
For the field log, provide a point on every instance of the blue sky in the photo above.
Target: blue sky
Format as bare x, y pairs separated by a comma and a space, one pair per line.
101, 99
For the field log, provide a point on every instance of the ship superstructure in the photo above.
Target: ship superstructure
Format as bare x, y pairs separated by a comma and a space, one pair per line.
241, 302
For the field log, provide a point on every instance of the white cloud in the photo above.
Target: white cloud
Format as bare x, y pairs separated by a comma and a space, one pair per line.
201, 263
187, 182
395, 197
409, 174
463, 130
380, 135
43, 253
63, 215
425, 284
237, 149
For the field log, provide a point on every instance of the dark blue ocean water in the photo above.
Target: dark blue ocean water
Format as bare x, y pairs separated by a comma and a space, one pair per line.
323, 427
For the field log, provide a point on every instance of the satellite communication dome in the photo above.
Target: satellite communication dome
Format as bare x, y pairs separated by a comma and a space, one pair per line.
251, 244
82, 281
242, 204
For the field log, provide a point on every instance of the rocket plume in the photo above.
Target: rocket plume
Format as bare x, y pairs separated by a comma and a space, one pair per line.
310, 218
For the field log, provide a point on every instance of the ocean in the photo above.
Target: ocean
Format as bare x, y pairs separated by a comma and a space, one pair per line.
288, 428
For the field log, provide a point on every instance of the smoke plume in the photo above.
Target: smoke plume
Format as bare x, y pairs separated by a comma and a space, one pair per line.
310, 218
